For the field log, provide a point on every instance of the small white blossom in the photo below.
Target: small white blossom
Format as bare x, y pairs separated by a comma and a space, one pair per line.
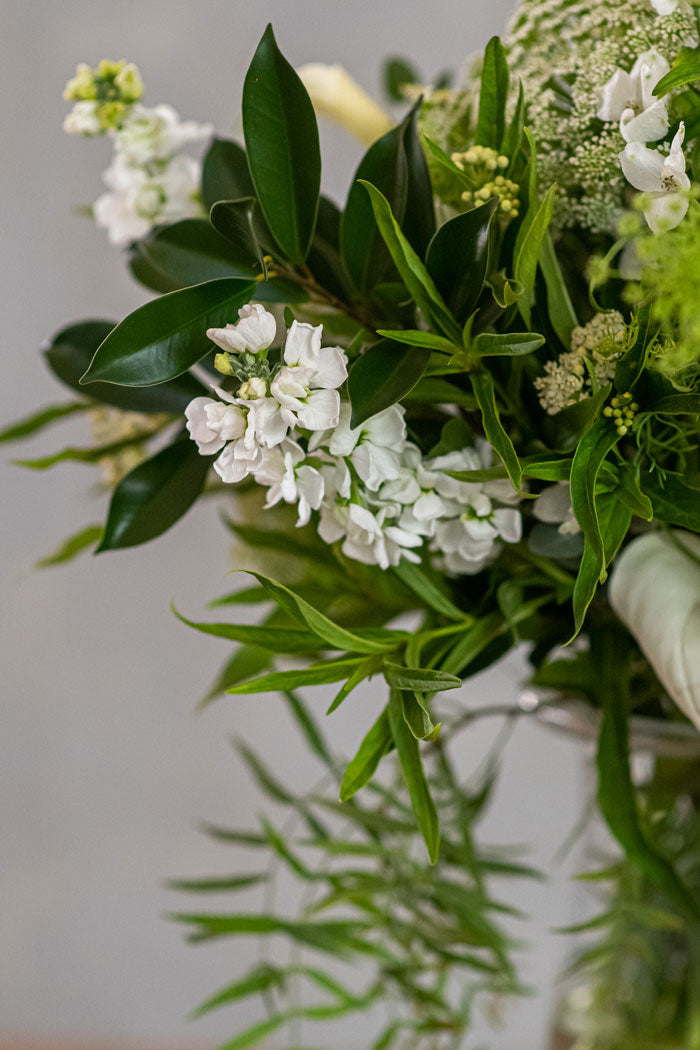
306, 385
212, 423
83, 119
374, 448
367, 537
254, 331
553, 506
629, 99
137, 201
662, 179
156, 133
290, 479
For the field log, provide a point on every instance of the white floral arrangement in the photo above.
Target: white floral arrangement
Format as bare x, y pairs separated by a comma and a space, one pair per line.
470, 395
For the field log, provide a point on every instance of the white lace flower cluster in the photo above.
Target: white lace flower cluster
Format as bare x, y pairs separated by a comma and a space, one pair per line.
376, 495
151, 179
595, 348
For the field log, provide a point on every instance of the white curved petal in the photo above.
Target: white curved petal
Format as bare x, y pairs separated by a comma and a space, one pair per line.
675, 162
642, 167
652, 67
619, 91
666, 211
330, 369
648, 126
303, 344
320, 410
655, 590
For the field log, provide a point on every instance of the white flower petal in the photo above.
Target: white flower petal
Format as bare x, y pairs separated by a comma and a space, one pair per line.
619, 91
320, 410
642, 167
648, 126
666, 211
303, 344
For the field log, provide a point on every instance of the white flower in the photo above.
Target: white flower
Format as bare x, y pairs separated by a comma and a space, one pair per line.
367, 537
655, 590
237, 461
212, 423
663, 179
290, 479
306, 385
335, 94
83, 119
628, 97
156, 133
553, 505
667, 7
254, 331
137, 201
374, 447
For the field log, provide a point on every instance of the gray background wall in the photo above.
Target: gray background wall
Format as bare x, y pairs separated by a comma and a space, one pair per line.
105, 768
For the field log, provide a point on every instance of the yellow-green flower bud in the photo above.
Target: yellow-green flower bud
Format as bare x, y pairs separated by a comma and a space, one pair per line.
129, 82
82, 86
226, 364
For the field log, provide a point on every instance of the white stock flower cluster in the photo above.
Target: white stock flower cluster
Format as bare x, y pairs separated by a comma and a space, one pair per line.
376, 494
151, 179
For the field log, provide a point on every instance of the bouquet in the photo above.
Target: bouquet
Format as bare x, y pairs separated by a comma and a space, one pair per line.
456, 415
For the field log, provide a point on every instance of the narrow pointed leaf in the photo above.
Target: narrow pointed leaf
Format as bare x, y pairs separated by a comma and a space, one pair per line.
279, 681
277, 639
458, 257
493, 96
372, 749
412, 768
38, 420
71, 547
482, 385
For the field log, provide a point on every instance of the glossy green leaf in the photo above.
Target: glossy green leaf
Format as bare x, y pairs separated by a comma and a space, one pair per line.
370, 752
493, 96
562, 315
588, 459
396, 165
284, 157
236, 222
414, 274
506, 344
225, 173
482, 385
675, 502
38, 420
685, 70
71, 547
421, 582
458, 256
382, 376
528, 252
154, 495
277, 639
419, 679
337, 637
322, 673
193, 251
412, 769
73, 348
166, 336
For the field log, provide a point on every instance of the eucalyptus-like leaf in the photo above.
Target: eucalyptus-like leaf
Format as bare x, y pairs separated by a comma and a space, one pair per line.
165, 337
284, 156
382, 376
154, 495
458, 256
73, 348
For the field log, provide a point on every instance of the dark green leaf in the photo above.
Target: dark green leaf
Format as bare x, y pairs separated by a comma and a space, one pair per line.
154, 495
414, 274
71, 547
225, 174
193, 251
412, 768
372, 749
482, 385
362, 671
677, 404
383, 375
416, 337
284, 155
38, 420
440, 391
507, 344
398, 72
559, 306
514, 132
458, 256
165, 337
493, 96
614, 521
528, 251
631, 364
73, 348
674, 502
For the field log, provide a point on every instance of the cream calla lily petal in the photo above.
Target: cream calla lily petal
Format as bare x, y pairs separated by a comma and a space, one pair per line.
655, 590
335, 94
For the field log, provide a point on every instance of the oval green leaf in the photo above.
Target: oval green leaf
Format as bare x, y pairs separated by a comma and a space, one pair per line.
163, 338
458, 257
382, 376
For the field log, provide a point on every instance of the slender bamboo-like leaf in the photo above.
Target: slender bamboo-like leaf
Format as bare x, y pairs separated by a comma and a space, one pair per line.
71, 547
363, 670
372, 749
614, 519
493, 96
322, 673
277, 639
561, 312
419, 581
483, 387
38, 420
417, 716
412, 768
415, 337
528, 254
221, 884
506, 344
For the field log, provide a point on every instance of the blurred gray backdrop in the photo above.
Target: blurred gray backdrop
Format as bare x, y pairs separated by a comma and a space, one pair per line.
106, 769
